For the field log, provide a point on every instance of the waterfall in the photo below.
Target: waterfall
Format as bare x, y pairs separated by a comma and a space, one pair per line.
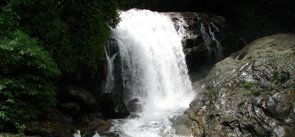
110, 77
154, 73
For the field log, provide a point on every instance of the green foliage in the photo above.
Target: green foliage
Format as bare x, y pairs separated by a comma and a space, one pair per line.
21, 129
45, 41
75, 32
27, 73
85, 39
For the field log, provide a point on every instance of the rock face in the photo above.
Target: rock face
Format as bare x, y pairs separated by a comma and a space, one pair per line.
251, 93
250, 19
206, 38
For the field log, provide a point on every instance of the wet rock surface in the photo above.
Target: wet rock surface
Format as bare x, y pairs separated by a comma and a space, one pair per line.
182, 124
251, 93
112, 106
206, 39
135, 105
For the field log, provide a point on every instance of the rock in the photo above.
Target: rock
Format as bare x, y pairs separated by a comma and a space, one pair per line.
111, 135
112, 106
134, 105
88, 125
70, 108
86, 101
182, 125
98, 125
205, 38
55, 115
94, 123
49, 128
13, 135
251, 93
86, 119
112, 47
113, 53
52, 123
280, 104
249, 19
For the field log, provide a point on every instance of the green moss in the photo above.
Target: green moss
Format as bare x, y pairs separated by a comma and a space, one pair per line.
247, 84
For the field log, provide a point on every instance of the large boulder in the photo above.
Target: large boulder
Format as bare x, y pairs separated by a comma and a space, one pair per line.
251, 93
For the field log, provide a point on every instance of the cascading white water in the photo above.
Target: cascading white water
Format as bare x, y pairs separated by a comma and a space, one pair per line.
209, 37
110, 77
154, 72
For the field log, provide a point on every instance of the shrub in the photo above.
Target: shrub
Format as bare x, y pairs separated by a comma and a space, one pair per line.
27, 75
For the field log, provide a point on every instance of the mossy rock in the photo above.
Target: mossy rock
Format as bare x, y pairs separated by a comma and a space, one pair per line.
251, 92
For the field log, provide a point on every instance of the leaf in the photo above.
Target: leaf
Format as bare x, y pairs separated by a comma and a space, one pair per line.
2, 86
